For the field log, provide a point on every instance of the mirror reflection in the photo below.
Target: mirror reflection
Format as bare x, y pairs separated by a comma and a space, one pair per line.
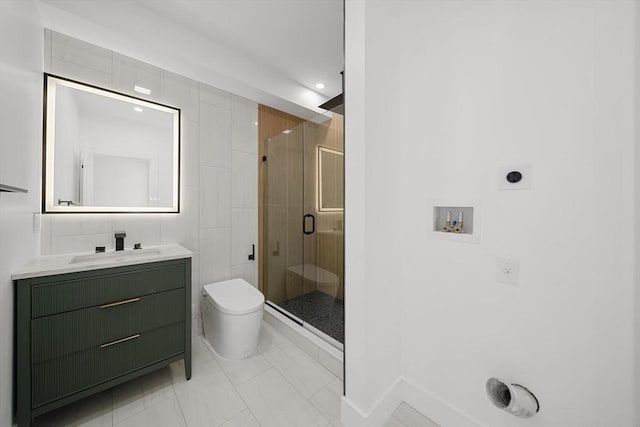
330, 180
108, 152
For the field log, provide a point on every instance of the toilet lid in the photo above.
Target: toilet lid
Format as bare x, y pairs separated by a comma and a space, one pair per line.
234, 296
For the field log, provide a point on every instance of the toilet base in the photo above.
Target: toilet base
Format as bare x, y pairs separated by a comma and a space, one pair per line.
231, 336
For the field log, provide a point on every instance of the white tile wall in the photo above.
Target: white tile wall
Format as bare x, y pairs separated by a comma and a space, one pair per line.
247, 271
244, 115
215, 254
215, 197
244, 227
212, 96
217, 127
215, 135
81, 53
182, 93
244, 176
190, 153
128, 73
73, 71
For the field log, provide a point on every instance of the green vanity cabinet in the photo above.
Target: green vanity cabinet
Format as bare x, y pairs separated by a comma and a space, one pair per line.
83, 332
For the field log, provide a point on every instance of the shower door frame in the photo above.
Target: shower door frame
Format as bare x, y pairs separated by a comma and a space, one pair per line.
307, 199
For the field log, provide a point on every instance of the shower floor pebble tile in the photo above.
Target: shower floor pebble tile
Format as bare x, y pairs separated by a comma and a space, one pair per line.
255, 392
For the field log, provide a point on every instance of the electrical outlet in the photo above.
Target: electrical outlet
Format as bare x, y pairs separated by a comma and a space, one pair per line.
508, 270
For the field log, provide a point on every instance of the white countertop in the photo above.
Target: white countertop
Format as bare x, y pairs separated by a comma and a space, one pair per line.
68, 263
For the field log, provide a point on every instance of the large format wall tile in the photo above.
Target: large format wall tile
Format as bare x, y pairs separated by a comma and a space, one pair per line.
212, 121
244, 229
142, 228
244, 179
247, 271
190, 153
182, 93
81, 53
128, 73
77, 72
215, 197
215, 254
215, 136
244, 115
183, 228
212, 96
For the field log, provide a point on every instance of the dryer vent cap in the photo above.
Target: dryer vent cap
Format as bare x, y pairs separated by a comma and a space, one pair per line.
512, 398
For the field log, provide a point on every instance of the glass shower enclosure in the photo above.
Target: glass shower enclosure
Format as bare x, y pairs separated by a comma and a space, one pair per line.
303, 182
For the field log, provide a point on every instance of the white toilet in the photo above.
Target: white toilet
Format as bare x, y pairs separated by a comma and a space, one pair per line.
232, 314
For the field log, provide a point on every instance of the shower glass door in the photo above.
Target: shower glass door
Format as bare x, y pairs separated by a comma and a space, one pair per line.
303, 225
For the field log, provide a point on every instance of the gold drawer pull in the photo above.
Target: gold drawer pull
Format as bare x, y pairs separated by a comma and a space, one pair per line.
132, 337
126, 301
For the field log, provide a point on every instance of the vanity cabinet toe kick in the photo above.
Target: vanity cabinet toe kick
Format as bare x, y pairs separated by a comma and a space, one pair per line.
81, 333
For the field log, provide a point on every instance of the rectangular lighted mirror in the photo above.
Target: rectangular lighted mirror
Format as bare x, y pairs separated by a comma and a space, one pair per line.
330, 180
108, 152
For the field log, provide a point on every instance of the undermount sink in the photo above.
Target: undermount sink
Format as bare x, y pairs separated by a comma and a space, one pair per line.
111, 255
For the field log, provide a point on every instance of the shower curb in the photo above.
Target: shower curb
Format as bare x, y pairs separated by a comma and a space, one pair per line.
321, 351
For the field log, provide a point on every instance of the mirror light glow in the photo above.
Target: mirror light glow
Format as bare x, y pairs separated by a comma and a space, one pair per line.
108, 158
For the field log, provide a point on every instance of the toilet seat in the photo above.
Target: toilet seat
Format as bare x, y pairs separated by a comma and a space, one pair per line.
234, 296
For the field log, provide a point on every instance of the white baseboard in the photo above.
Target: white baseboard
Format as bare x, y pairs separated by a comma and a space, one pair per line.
441, 412
380, 411
403, 390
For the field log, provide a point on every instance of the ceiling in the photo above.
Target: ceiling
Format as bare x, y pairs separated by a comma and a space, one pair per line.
272, 51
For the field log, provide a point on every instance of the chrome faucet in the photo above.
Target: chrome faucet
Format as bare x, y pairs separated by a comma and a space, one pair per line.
120, 235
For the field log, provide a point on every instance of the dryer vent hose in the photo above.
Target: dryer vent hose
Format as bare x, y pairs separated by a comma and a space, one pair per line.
512, 398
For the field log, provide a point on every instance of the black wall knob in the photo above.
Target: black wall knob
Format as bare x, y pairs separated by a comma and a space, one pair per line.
514, 176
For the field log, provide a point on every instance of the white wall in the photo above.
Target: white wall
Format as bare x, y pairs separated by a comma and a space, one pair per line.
452, 89
372, 285
637, 210
21, 49
219, 158
136, 30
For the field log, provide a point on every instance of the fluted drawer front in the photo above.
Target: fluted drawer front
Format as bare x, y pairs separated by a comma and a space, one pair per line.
66, 333
102, 287
63, 376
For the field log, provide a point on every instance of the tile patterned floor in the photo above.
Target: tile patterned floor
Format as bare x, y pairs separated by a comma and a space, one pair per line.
406, 416
281, 386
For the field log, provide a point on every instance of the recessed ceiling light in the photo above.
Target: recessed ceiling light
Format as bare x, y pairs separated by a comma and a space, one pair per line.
142, 90
286, 131
319, 85
137, 109
255, 123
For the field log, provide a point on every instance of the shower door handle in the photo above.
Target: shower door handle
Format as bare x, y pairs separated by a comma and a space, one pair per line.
313, 224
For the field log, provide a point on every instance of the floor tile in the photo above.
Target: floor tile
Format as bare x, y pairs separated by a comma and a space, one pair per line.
164, 414
208, 399
305, 373
137, 395
276, 403
410, 417
328, 401
268, 338
93, 411
240, 371
244, 419
200, 352
393, 422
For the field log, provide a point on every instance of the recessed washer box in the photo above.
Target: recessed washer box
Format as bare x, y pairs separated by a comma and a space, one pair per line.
446, 222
